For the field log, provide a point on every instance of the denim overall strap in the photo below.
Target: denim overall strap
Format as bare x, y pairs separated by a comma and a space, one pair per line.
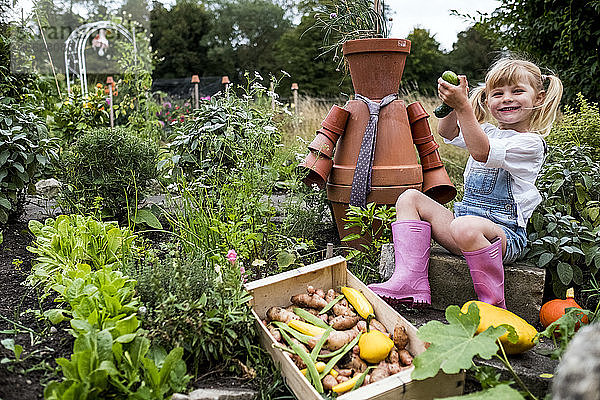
490, 190
361, 182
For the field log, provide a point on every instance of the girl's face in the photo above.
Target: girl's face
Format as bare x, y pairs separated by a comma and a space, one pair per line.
513, 104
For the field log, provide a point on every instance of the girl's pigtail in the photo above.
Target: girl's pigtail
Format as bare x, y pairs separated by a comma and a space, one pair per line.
477, 99
548, 110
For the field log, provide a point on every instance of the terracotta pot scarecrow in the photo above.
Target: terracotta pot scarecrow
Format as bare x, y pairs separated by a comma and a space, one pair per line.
374, 137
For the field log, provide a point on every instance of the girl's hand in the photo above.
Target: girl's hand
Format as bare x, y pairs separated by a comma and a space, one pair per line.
456, 97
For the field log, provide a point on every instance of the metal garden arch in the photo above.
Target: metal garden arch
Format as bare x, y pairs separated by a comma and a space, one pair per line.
75, 49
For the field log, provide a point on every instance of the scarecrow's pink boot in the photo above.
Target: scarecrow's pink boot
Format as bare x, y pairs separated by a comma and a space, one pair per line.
409, 282
487, 272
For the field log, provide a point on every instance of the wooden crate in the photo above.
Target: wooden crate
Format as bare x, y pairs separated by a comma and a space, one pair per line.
278, 289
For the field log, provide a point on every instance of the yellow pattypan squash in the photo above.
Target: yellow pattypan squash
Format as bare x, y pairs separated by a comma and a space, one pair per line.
374, 346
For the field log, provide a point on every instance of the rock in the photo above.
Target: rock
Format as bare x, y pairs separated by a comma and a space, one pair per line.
451, 282
179, 396
222, 394
48, 188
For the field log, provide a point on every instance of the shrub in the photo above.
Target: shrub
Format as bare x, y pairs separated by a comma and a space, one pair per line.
78, 114
223, 134
579, 126
25, 151
563, 234
112, 164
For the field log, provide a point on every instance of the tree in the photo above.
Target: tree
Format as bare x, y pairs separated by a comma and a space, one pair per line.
244, 36
424, 64
559, 35
299, 54
472, 54
179, 37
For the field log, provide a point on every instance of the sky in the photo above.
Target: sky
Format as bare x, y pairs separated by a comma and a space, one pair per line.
434, 15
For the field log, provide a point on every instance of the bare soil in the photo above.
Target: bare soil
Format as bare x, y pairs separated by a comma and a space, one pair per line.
24, 379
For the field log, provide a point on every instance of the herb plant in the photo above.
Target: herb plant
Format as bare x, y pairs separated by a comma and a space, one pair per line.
563, 234
374, 225
343, 20
114, 164
26, 151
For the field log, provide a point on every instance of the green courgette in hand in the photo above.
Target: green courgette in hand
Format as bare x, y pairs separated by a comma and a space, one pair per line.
444, 109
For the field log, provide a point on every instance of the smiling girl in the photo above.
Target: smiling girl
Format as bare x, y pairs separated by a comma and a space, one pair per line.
488, 225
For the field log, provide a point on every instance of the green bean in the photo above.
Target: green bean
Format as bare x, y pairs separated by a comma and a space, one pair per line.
315, 351
308, 317
310, 365
331, 304
331, 363
298, 335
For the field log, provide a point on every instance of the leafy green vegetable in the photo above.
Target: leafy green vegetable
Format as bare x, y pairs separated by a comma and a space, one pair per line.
453, 346
500, 392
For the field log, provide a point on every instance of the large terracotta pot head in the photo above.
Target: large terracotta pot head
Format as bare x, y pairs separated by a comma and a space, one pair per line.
376, 65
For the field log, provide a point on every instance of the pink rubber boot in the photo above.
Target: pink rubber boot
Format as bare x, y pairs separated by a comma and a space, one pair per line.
409, 283
487, 272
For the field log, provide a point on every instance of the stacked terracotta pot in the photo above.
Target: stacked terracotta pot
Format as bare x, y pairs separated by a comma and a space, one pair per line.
376, 67
318, 162
436, 183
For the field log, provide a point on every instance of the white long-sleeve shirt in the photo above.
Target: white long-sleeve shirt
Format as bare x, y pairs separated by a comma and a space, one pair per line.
522, 155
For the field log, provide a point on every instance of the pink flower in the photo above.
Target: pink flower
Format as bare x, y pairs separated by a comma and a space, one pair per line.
232, 256
243, 273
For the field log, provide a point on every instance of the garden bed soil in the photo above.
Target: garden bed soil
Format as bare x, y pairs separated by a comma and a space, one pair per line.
24, 380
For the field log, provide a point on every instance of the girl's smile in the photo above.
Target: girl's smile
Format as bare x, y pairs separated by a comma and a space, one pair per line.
512, 105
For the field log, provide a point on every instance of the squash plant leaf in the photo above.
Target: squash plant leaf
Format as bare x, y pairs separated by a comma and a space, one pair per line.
500, 392
453, 346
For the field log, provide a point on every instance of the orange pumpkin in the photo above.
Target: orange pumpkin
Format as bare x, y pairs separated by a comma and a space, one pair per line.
554, 309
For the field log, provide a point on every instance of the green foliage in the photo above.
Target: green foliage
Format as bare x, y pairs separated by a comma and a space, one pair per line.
25, 152
500, 392
562, 36
113, 164
563, 329
579, 126
299, 54
564, 235
74, 245
80, 113
244, 35
214, 328
425, 63
110, 356
374, 223
101, 367
453, 346
344, 20
180, 36
471, 54
224, 134
136, 108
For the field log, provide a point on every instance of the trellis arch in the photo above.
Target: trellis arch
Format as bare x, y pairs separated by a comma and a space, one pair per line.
75, 49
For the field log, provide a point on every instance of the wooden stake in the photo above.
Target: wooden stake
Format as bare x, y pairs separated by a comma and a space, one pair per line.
295, 93
109, 82
329, 252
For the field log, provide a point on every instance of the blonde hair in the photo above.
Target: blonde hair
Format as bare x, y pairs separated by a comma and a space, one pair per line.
511, 71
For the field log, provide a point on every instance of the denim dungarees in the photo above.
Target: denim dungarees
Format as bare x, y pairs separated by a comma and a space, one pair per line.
488, 194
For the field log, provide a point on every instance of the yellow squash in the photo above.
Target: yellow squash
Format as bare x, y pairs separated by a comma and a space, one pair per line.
345, 386
358, 301
305, 327
374, 346
490, 315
